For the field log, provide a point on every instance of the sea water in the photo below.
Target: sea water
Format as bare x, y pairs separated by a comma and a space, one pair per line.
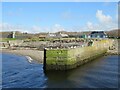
18, 72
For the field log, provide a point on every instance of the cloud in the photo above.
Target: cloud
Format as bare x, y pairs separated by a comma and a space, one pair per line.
56, 28
90, 25
10, 27
35, 29
105, 22
103, 18
52, 29
6, 26
21, 28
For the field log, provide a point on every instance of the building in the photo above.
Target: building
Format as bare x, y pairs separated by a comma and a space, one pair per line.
97, 34
51, 35
83, 36
60, 35
56, 35
11, 35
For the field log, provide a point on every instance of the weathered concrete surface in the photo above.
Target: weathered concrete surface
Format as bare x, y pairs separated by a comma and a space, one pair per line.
64, 59
115, 49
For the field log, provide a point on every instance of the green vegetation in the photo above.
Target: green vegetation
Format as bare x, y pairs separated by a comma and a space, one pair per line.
56, 56
70, 57
7, 39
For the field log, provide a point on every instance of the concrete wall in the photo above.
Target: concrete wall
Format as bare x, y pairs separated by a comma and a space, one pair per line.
63, 59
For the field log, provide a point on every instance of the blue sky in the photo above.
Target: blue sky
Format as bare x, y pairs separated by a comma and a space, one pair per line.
56, 16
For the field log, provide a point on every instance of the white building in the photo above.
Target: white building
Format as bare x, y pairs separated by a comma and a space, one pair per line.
56, 35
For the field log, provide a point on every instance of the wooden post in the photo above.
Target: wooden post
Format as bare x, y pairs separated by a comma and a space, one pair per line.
44, 62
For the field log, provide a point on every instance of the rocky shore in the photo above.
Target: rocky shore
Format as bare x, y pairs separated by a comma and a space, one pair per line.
38, 55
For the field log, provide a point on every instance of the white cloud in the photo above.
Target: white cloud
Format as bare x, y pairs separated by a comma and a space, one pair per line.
105, 22
90, 25
6, 26
21, 28
56, 28
103, 18
33, 29
57, 25
36, 29
52, 29
10, 27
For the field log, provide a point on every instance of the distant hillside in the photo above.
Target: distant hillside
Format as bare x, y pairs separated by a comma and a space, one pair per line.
112, 33
18, 34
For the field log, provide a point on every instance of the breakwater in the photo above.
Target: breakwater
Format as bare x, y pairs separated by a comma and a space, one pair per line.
64, 59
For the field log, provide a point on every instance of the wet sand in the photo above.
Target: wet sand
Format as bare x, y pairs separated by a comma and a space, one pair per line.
34, 54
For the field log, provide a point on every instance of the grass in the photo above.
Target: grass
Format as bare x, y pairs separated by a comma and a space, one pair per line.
50, 39
7, 39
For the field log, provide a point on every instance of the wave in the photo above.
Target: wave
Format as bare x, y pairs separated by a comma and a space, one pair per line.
29, 59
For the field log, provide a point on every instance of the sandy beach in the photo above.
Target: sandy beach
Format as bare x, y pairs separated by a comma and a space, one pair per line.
34, 54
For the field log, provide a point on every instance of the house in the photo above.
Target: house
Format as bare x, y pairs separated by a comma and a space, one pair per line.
83, 36
56, 35
42, 36
60, 35
51, 35
97, 34
10, 35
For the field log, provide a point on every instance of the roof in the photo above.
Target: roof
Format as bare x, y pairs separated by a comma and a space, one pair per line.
42, 36
97, 32
64, 35
51, 34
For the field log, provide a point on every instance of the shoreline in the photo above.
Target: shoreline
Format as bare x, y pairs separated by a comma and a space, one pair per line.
28, 54
112, 52
38, 55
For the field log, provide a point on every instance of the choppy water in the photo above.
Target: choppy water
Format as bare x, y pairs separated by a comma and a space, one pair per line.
17, 72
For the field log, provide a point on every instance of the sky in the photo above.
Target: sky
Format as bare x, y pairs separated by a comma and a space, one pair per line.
35, 17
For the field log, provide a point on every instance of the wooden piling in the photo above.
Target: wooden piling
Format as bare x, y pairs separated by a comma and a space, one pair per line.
44, 62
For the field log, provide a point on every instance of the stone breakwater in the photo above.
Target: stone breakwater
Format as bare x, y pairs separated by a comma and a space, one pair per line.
114, 50
64, 59
40, 45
